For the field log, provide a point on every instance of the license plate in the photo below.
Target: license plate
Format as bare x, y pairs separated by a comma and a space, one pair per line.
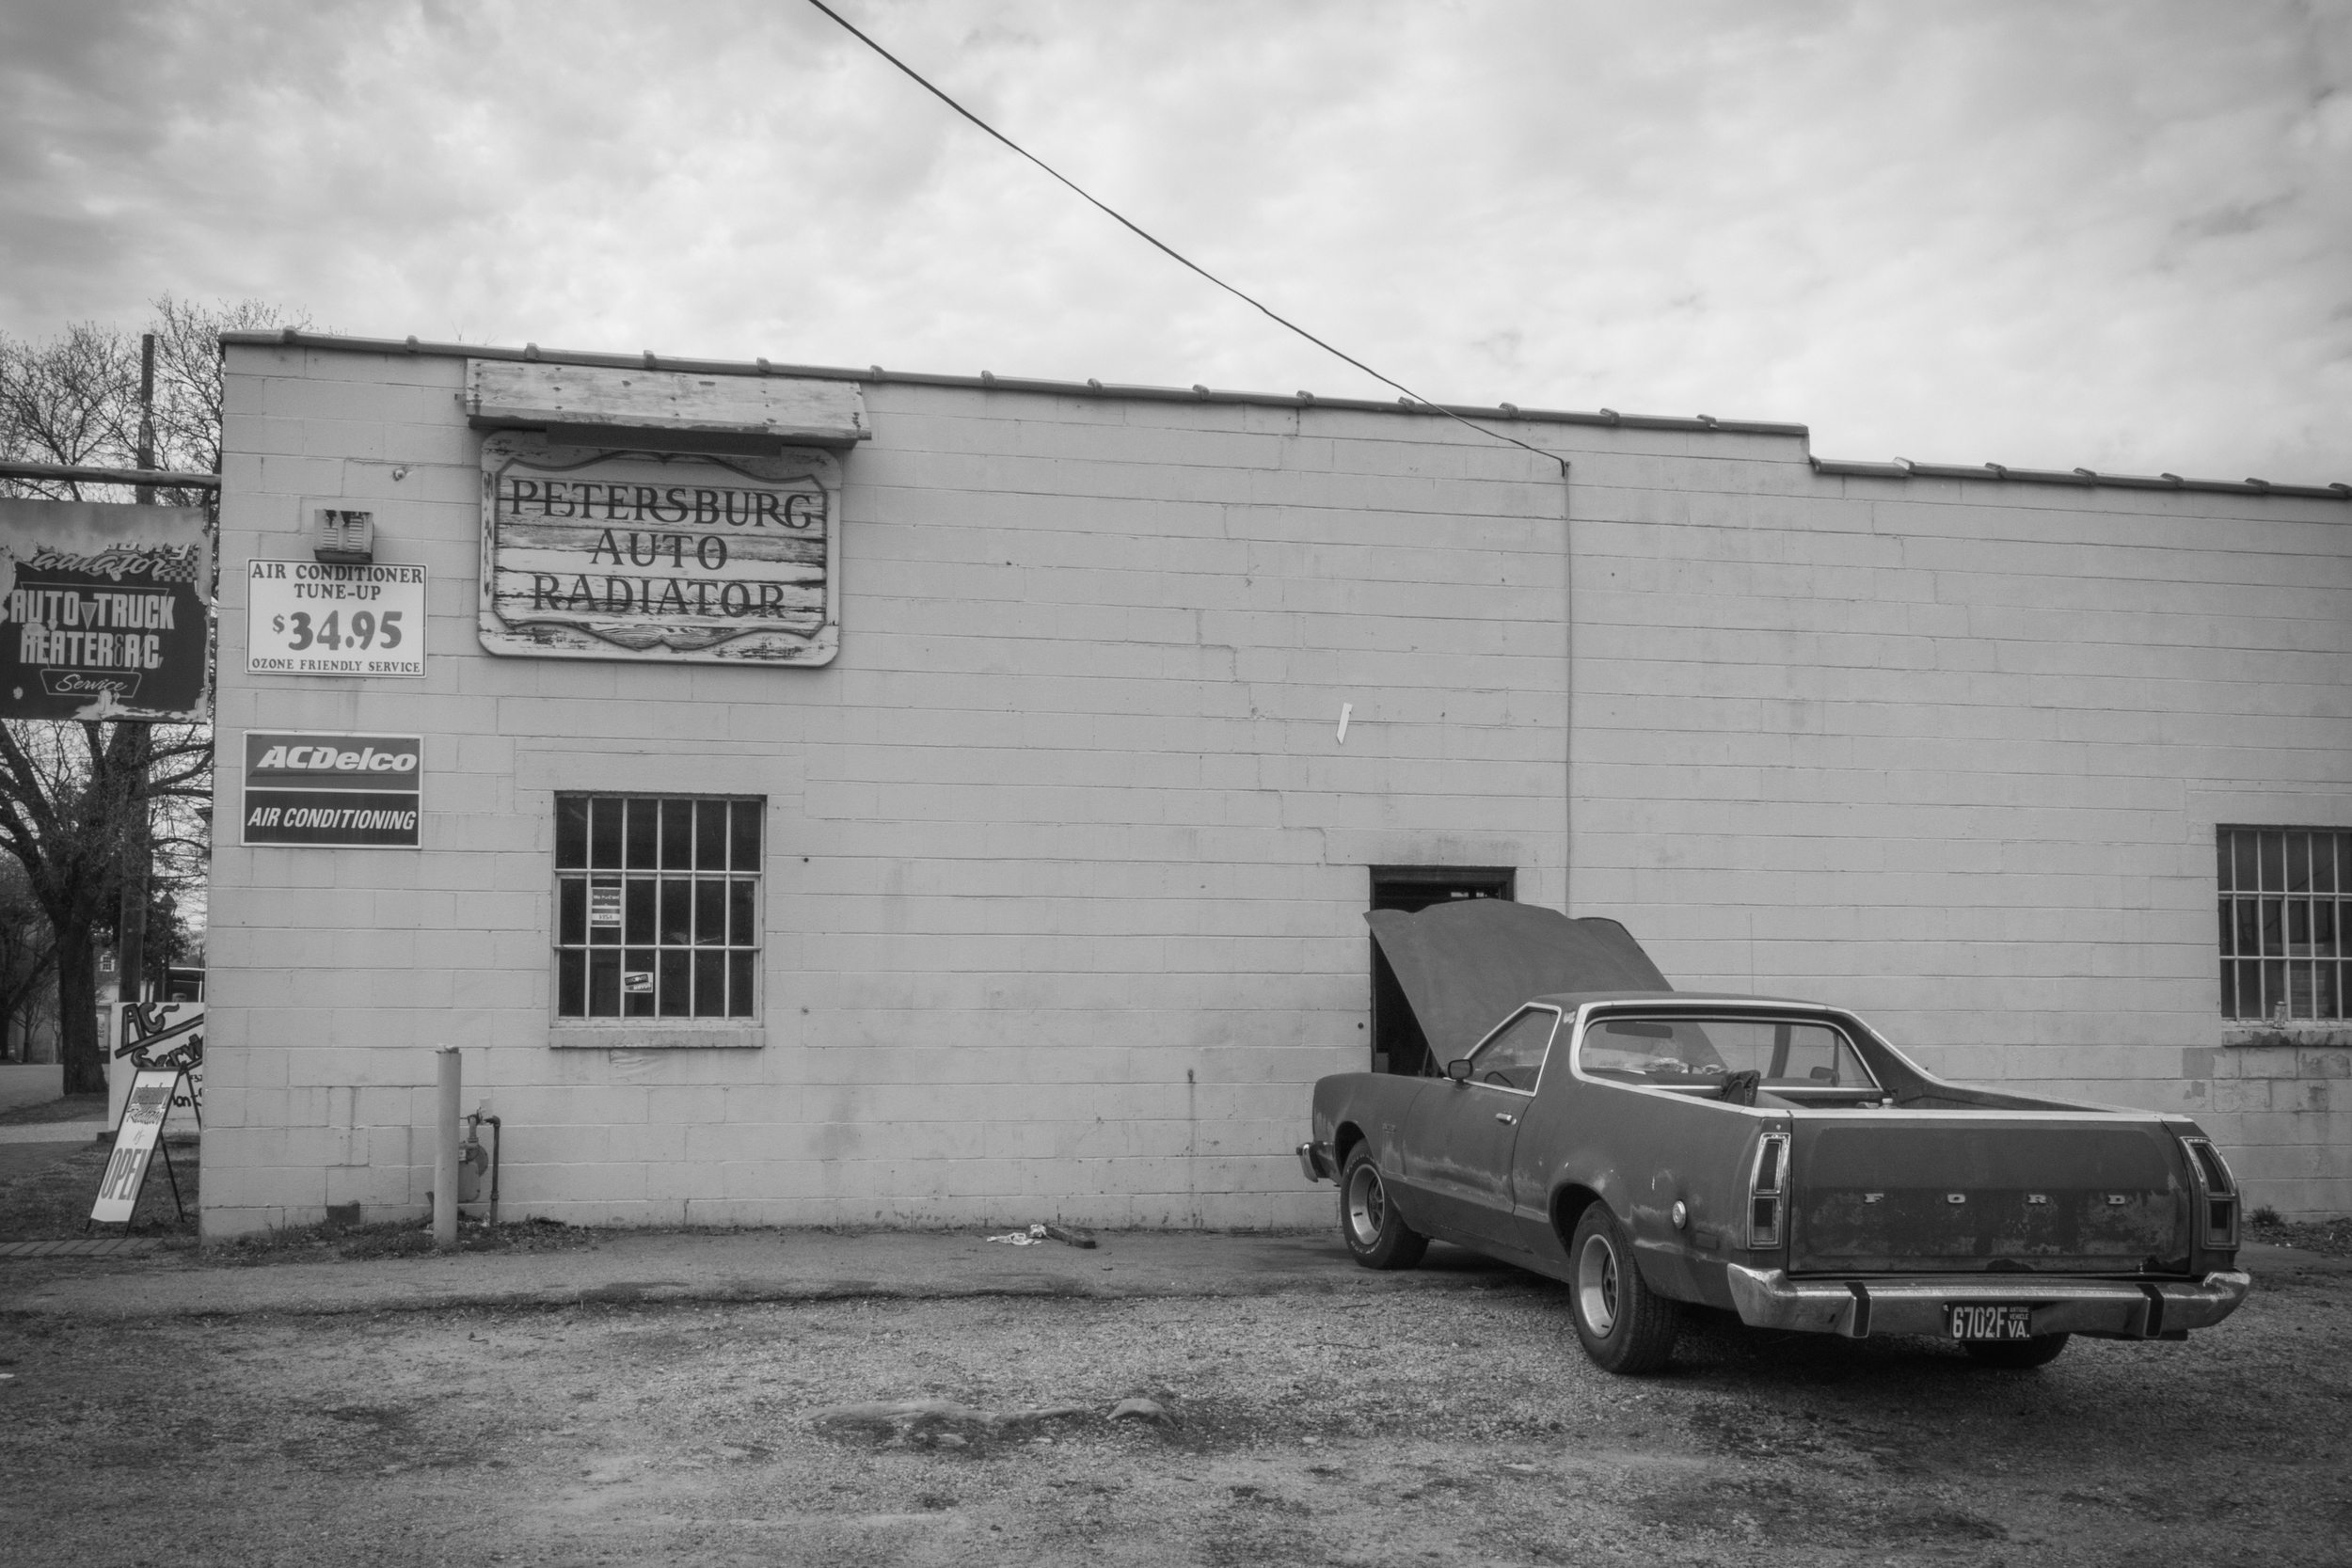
1988, 1321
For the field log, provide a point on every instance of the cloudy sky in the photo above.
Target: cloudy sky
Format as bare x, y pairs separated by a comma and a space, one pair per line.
2050, 232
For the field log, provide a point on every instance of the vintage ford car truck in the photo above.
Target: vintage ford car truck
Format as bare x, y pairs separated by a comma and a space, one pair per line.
1651, 1148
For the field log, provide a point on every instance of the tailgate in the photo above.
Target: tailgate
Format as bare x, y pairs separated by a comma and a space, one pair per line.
1903, 1194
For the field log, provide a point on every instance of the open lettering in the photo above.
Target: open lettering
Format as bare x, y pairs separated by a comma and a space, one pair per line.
586, 500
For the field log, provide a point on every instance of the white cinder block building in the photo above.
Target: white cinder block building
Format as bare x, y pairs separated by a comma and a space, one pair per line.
868, 796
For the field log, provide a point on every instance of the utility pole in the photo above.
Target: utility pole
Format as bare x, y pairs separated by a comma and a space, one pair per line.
137, 748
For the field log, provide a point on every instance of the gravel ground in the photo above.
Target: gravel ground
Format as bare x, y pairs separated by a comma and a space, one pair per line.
1460, 1425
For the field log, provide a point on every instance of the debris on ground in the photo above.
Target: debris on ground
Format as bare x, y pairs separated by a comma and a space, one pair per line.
1037, 1233
1034, 1236
2330, 1238
1139, 1410
934, 1422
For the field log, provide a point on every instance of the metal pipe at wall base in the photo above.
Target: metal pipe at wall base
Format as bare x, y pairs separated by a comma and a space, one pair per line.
498, 1154
448, 1065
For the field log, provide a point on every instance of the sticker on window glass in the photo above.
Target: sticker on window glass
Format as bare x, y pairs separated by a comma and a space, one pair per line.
637, 980
604, 904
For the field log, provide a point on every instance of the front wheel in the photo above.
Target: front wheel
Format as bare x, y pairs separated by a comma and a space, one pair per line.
2016, 1355
1376, 1233
1625, 1326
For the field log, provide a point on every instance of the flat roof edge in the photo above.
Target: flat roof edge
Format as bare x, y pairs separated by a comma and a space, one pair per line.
1500, 413
1504, 414
1903, 468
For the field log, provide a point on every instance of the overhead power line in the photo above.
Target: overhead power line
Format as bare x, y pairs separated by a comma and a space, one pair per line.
1168, 251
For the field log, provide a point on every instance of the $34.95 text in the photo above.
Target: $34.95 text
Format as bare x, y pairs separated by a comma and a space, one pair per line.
364, 629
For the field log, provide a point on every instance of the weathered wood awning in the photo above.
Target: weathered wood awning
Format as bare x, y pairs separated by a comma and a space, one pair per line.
599, 406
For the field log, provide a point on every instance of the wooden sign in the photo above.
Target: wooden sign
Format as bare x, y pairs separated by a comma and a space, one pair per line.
772, 410
625, 555
102, 610
135, 1140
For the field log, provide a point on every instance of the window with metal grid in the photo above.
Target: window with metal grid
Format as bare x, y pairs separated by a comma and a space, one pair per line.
2287, 897
657, 907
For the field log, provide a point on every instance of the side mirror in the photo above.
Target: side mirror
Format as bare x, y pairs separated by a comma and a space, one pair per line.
1458, 1070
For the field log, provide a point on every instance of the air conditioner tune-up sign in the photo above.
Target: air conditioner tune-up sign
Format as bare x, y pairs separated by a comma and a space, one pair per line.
320, 618
341, 791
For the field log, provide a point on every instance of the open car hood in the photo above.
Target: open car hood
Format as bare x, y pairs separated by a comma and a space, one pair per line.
1466, 965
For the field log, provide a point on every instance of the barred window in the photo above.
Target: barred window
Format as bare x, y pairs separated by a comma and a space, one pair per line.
2287, 897
656, 903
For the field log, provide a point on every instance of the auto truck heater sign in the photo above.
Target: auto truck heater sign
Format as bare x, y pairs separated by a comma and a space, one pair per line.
339, 791
102, 610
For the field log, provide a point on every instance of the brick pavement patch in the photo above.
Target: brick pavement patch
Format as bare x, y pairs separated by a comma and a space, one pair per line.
88, 1246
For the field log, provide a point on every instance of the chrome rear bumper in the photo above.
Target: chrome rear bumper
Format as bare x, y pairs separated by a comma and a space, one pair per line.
2108, 1308
1312, 1160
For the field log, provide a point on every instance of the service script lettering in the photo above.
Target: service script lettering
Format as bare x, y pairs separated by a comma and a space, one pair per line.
635, 555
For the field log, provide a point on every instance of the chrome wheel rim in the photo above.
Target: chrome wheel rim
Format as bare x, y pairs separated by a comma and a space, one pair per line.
1367, 1206
1596, 1285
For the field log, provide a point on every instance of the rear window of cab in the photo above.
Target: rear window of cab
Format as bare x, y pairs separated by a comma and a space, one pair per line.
1790, 1055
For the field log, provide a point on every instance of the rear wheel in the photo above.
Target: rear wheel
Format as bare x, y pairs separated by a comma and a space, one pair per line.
1375, 1232
1625, 1326
2016, 1354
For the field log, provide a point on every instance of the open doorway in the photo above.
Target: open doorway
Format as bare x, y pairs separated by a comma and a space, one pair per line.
1397, 1045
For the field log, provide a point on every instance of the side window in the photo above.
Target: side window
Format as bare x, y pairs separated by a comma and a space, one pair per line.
1811, 1055
656, 903
2286, 922
1512, 1059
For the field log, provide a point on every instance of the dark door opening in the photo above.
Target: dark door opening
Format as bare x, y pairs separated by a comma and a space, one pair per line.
1397, 1045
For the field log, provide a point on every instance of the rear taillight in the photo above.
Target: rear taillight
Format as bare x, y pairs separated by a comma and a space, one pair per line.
1767, 1191
2217, 1195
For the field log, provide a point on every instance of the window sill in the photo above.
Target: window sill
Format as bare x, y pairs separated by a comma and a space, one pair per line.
2301, 1031
631, 1035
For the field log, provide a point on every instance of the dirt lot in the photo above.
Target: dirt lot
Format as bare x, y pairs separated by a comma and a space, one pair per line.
1459, 1424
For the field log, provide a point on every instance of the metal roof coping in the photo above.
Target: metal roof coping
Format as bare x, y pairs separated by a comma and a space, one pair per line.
1899, 468
294, 336
1902, 468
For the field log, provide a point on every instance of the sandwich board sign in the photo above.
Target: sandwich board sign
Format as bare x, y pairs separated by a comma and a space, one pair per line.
136, 1142
153, 1034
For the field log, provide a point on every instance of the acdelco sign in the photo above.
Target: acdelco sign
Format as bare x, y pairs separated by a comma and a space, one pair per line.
302, 761
341, 791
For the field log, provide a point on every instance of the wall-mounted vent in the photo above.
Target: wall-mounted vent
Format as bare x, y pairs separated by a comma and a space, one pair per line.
343, 537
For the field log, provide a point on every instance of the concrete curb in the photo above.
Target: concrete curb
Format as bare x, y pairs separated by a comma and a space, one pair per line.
53, 1132
640, 1269
2260, 1259
655, 1269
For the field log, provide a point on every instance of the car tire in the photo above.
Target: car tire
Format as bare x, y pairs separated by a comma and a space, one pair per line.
1625, 1326
1376, 1234
2016, 1355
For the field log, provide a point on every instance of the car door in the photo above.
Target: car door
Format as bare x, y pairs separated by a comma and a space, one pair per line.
1643, 1149
1459, 1137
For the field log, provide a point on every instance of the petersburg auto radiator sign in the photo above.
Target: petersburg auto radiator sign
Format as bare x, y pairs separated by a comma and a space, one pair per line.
338, 791
592, 554
102, 610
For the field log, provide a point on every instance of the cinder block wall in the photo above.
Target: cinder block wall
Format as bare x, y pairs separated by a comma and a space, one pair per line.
1065, 862
1954, 753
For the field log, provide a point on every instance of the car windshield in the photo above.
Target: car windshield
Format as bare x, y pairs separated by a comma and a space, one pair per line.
1786, 1054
